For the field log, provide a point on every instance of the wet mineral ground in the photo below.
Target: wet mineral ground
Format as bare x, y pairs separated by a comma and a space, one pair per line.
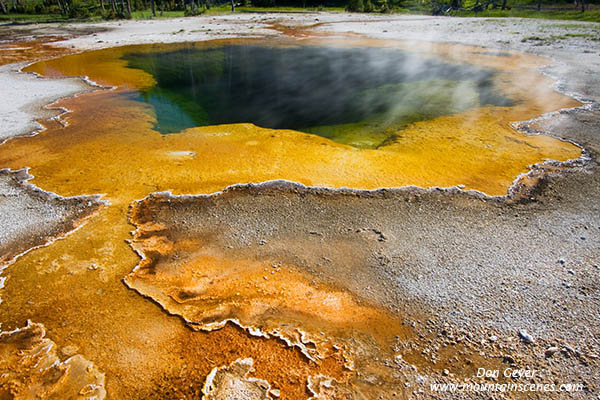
248, 262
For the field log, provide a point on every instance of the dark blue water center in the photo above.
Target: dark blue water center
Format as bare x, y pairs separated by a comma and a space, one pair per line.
357, 96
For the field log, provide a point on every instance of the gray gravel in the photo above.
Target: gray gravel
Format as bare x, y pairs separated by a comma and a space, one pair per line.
30, 217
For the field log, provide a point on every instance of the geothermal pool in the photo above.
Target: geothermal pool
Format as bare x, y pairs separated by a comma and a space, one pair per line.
359, 96
196, 118
334, 114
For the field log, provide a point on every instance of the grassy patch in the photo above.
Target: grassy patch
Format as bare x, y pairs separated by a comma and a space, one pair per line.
223, 9
586, 35
539, 40
147, 14
290, 9
566, 26
575, 15
32, 18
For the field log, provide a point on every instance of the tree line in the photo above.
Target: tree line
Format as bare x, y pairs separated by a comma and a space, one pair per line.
123, 8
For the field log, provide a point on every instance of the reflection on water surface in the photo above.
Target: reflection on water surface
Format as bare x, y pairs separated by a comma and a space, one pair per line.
358, 96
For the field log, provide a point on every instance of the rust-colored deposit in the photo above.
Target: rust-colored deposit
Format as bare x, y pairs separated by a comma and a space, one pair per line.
210, 260
108, 146
28, 50
31, 368
189, 275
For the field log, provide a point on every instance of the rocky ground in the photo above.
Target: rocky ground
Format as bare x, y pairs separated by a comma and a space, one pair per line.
516, 279
30, 217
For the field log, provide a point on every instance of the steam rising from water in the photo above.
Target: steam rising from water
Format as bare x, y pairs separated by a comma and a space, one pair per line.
112, 149
358, 96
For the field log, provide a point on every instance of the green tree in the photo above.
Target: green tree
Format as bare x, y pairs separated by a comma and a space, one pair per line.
355, 6
385, 7
455, 4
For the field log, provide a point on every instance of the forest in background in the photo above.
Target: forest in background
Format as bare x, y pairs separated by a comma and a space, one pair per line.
90, 10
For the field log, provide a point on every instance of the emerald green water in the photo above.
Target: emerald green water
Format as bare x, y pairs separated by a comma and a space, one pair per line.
357, 96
